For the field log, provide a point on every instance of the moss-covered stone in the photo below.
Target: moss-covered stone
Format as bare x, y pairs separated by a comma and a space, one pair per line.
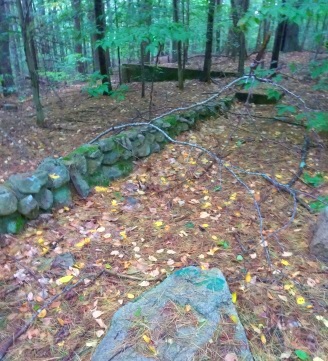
88, 150
13, 223
118, 170
93, 165
76, 161
62, 196
98, 179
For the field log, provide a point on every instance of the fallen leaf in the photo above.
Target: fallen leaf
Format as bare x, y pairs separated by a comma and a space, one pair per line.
64, 279
144, 284
263, 339
42, 314
96, 314
248, 277
146, 338
300, 300
234, 297
231, 357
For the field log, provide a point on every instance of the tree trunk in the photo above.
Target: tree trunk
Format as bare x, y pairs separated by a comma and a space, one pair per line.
6, 74
209, 42
100, 34
290, 40
26, 23
239, 8
179, 46
76, 5
278, 39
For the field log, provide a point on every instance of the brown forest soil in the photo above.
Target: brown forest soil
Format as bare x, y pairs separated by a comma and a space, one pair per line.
168, 214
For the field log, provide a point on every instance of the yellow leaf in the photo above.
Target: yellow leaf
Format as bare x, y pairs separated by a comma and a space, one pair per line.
300, 300
248, 277
188, 308
146, 338
100, 189
263, 339
233, 196
130, 295
64, 279
40, 240
214, 237
237, 214
158, 224
42, 314
152, 349
288, 287
82, 243
123, 234
54, 176
256, 329
163, 180
206, 205
278, 176
61, 321
38, 233
45, 250
114, 202
284, 262
205, 225
234, 297
233, 318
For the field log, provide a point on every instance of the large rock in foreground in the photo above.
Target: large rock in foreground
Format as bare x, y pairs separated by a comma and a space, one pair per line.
189, 316
319, 242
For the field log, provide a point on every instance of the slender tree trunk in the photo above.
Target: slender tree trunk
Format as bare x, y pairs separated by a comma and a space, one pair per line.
76, 5
6, 74
25, 18
278, 38
179, 46
209, 42
100, 27
118, 48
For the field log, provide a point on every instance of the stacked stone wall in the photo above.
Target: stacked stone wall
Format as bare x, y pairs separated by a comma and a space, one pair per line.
25, 196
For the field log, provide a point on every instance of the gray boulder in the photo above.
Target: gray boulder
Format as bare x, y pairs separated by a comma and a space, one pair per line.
8, 201
29, 207
76, 161
93, 164
45, 199
57, 171
319, 242
108, 144
62, 196
80, 184
111, 157
28, 183
185, 318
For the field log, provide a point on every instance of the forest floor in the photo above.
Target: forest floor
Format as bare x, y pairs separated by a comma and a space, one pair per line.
169, 213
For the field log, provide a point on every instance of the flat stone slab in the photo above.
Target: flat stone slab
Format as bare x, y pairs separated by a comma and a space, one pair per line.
188, 317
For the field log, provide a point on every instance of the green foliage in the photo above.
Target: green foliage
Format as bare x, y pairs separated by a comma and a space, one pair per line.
315, 180
315, 120
319, 204
120, 93
302, 355
96, 87
283, 109
319, 72
273, 94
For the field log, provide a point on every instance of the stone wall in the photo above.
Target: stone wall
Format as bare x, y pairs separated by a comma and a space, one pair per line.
25, 196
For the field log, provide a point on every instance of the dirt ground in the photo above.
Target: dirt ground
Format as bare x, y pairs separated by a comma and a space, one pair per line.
175, 209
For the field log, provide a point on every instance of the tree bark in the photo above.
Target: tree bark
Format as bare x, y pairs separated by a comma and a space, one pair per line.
209, 42
179, 46
101, 53
76, 5
26, 22
6, 74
